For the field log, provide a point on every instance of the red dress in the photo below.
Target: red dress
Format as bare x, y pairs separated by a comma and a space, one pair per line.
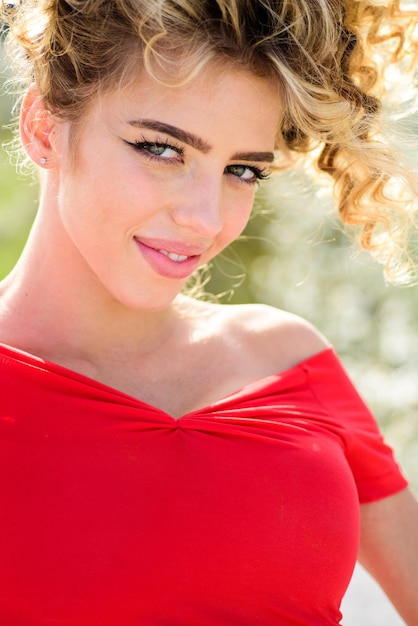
243, 513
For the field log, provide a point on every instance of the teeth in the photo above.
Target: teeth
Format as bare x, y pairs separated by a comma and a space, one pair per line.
177, 258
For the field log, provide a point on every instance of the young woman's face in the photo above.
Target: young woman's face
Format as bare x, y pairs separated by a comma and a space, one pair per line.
163, 179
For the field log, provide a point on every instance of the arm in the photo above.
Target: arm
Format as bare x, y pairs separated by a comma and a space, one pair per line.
389, 550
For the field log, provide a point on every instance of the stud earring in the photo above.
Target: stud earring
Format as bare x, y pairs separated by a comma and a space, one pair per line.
43, 160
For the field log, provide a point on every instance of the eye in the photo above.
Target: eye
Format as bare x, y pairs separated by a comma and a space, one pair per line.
248, 174
162, 150
158, 150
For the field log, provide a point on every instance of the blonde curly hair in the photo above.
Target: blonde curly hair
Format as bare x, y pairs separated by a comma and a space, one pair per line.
329, 58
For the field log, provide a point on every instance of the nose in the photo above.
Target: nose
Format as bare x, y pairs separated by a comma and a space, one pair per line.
199, 208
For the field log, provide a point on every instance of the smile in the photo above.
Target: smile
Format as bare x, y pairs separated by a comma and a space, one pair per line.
178, 262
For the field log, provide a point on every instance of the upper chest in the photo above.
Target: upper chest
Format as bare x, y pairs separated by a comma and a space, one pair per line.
182, 382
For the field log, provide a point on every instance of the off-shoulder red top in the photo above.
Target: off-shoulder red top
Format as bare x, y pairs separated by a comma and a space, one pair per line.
242, 513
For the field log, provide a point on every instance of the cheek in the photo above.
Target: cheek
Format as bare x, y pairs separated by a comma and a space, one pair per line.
88, 215
240, 216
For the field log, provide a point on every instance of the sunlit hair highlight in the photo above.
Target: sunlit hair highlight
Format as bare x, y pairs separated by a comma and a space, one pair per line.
330, 59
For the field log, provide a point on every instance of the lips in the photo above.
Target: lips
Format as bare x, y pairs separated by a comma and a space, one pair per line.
172, 259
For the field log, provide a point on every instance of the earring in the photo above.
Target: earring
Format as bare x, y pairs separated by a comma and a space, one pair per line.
43, 160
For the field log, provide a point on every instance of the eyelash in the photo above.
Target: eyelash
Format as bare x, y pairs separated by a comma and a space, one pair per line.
143, 146
259, 174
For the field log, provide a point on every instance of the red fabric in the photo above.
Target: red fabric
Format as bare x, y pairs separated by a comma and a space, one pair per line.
242, 513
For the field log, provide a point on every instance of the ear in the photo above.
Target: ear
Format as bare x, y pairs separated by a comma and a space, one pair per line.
37, 125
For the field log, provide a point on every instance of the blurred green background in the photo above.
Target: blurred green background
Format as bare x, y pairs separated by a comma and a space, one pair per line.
294, 256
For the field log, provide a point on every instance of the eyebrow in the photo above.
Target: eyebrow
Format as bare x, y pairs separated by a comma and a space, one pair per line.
182, 135
197, 142
259, 157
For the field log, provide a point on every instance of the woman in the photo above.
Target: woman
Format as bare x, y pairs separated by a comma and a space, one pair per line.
139, 487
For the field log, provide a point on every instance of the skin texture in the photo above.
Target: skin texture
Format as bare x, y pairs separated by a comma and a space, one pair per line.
111, 298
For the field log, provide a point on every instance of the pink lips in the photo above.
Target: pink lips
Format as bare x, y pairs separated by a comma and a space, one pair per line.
171, 259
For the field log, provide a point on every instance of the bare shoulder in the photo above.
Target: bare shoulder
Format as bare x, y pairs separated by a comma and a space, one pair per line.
271, 339
276, 335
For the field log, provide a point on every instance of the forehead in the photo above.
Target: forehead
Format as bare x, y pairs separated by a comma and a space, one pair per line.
214, 99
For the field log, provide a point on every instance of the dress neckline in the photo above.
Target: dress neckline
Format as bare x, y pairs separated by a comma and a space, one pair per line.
45, 365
